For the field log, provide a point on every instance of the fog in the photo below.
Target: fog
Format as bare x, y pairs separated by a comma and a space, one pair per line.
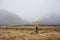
52, 19
44, 11
8, 18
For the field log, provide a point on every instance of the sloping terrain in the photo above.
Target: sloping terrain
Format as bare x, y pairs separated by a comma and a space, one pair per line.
8, 18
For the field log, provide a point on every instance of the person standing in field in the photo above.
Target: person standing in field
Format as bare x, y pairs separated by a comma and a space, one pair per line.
37, 26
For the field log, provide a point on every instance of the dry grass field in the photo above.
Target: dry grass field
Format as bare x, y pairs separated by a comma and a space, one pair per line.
28, 33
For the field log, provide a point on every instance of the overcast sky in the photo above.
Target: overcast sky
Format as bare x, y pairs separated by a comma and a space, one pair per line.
31, 10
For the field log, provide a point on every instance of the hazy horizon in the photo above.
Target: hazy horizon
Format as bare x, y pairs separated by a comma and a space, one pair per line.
31, 10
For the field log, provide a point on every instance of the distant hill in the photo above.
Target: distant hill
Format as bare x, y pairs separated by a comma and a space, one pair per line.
52, 19
8, 18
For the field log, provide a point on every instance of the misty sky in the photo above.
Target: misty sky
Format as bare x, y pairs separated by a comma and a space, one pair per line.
31, 10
